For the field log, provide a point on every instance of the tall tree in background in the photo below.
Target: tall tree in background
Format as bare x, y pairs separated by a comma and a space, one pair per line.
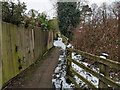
101, 32
68, 17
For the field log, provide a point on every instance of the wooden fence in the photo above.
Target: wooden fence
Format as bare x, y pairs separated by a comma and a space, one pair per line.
64, 39
0, 45
104, 64
20, 48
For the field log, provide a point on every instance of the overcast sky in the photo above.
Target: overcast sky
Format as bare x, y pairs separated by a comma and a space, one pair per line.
47, 7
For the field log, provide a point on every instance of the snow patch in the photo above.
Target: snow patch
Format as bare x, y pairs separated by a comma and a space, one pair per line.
105, 54
60, 44
103, 57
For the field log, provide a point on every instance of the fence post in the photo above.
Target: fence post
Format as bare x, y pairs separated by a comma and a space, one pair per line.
104, 69
68, 53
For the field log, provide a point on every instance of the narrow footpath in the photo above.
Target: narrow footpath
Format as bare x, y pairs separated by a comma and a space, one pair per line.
42, 76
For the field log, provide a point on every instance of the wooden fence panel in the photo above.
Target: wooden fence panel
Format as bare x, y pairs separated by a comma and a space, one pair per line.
73, 81
83, 79
0, 55
107, 62
104, 79
20, 48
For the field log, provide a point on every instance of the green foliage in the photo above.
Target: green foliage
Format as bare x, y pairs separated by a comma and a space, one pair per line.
40, 20
43, 21
68, 17
51, 25
27, 21
33, 13
13, 13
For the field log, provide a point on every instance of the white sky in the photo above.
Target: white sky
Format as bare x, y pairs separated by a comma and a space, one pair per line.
47, 7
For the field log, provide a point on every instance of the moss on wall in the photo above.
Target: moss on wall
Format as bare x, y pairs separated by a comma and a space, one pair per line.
21, 47
50, 40
0, 56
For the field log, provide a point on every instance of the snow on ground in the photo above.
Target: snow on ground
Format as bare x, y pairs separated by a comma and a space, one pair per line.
82, 72
103, 57
118, 82
59, 77
105, 54
59, 43
60, 72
